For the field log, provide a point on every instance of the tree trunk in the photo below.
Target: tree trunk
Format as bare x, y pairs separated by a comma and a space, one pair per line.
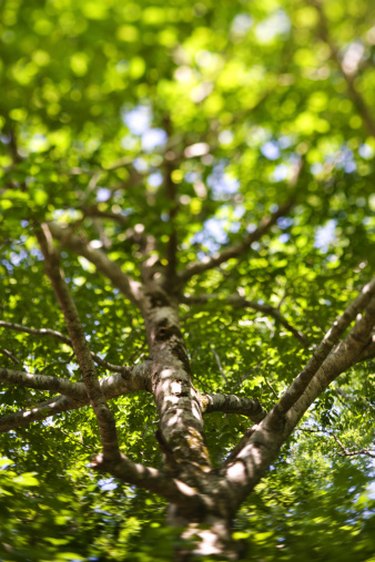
206, 534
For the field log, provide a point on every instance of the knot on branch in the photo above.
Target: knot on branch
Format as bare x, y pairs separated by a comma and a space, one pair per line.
97, 462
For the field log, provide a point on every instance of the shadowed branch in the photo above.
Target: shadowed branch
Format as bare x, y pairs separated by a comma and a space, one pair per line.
74, 394
251, 458
344, 356
240, 302
12, 377
106, 422
232, 404
325, 347
108, 268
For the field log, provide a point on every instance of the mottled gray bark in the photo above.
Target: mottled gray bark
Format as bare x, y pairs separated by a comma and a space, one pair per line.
204, 499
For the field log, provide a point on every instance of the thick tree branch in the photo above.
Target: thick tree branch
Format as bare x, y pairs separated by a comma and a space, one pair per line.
180, 416
241, 302
106, 422
110, 269
113, 386
368, 352
39, 412
59, 336
250, 459
43, 382
135, 379
176, 491
261, 444
232, 404
323, 350
343, 357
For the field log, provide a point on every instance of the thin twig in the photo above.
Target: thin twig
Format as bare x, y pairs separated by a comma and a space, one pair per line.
240, 302
59, 336
11, 356
235, 250
173, 203
345, 452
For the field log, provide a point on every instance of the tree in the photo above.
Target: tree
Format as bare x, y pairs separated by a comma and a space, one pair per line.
186, 269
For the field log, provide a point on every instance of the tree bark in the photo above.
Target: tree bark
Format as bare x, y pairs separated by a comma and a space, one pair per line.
210, 535
203, 499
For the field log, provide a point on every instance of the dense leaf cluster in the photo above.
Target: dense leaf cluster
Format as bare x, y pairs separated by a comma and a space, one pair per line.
106, 104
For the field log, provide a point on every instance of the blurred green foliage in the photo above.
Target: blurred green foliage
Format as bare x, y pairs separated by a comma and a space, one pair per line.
98, 99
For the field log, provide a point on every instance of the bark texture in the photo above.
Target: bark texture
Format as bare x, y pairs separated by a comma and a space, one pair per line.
203, 498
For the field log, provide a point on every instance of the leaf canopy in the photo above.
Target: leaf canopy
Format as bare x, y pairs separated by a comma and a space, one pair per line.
102, 105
